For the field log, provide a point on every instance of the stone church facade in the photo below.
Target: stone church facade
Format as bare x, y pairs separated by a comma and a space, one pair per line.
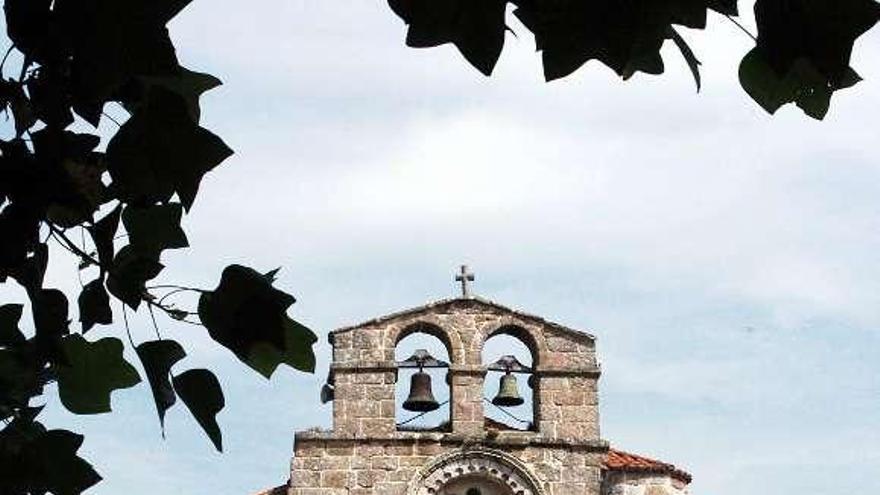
366, 453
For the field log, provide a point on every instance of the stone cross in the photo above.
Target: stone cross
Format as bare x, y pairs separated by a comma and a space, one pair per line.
464, 277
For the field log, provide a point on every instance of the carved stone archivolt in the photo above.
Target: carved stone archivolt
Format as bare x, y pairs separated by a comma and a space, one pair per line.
493, 466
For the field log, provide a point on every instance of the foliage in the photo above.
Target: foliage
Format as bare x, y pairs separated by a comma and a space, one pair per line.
56, 185
801, 54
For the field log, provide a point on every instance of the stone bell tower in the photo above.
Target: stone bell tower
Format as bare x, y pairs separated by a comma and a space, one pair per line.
562, 453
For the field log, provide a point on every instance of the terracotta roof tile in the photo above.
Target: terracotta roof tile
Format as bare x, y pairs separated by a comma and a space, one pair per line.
618, 460
278, 490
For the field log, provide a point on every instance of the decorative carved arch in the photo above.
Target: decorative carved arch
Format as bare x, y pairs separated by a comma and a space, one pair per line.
495, 465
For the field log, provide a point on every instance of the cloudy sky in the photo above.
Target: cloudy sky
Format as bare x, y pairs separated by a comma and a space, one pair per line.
727, 261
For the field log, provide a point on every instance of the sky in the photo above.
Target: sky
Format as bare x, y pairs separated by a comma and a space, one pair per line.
727, 261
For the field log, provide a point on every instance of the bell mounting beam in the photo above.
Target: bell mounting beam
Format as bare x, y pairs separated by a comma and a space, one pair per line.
422, 359
509, 364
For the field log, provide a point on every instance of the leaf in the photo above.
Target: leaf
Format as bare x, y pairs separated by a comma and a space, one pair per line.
33, 460
803, 51
112, 43
297, 352
50, 310
12, 94
476, 27
158, 356
131, 271
103, 233
154, 228
19, 379
160, 151
201, 392
63, 472
688, 54
247, 315
94, 305
803, 85
27, 25
10, 335
187, 83
31, 272
625, 36
94, 370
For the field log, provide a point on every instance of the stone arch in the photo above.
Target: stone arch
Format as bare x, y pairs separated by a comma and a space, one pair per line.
449, 339
495, 465
525, 416
436, 420
521, 333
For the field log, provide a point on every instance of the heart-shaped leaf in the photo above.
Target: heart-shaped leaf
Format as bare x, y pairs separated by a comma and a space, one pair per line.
10, 335
94, 305
201, 392
158, 356
131, 271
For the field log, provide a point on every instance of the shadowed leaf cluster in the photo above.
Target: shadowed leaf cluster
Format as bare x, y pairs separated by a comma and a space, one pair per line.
801, 55
116, 206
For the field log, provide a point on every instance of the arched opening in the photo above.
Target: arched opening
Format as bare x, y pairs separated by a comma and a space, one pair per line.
507, 390
420, 348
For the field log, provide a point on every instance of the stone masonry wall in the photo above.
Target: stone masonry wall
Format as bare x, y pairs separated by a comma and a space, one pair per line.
621, 483
388, 466
565, 368
364, 454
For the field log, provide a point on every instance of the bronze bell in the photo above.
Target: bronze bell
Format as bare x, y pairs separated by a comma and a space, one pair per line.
421, 398
508, 393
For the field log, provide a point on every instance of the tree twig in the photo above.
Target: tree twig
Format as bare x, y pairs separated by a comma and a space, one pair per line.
741, 27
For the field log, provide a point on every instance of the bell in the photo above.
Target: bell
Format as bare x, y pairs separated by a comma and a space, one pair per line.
508, 393
420, 399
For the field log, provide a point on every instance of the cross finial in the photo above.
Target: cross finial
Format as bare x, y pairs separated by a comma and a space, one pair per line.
464, 277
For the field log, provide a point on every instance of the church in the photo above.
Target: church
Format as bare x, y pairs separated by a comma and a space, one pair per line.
558, 451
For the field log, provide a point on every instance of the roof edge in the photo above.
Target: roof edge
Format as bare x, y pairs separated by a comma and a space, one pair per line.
625, 462
444, 302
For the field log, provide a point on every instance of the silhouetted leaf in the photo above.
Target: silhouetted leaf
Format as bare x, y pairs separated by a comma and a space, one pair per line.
10, 314
19, 379
111, 43
201, 392
36, 461
27, 25
158, 356
154, 228
131, 270
20, 226
50, 310
297, 352
626, 37
12, 94
103, 233
188, 84
31, 272
688, 54
94, 370
248, 316
94, 305
476, 27
160, 151
803, 51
